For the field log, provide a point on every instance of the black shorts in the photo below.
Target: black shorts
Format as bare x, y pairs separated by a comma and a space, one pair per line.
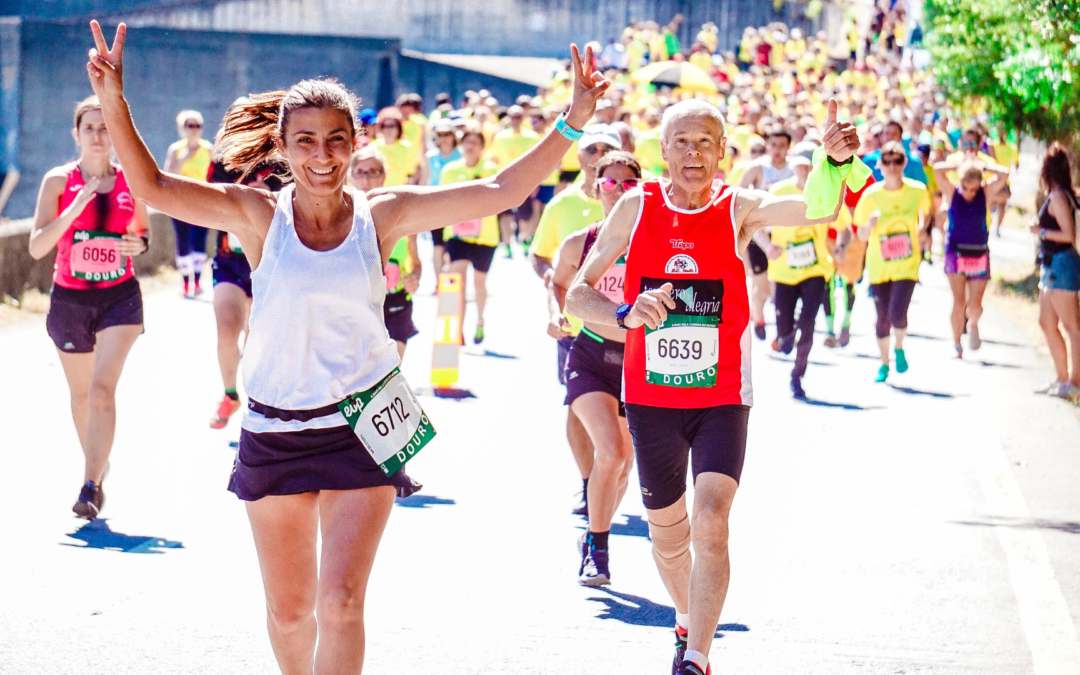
479, 255
76, 316
568, 176
713, 439
397, 313
232, 268
437, 237
759, 262
564, 353
594, 365
522, 212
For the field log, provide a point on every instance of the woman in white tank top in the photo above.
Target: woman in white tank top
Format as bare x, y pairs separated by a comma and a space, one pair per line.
318, 348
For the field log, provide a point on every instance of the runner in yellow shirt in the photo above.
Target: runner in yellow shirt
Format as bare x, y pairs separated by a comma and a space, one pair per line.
402, 164
190, 156
414, 129
472, 243
890, 216
506, 146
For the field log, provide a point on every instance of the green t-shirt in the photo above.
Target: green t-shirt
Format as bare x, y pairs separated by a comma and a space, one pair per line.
398, 266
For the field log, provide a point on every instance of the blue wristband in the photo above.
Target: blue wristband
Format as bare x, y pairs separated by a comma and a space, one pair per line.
568, 132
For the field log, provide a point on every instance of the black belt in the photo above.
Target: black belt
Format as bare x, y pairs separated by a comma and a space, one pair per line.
292, 415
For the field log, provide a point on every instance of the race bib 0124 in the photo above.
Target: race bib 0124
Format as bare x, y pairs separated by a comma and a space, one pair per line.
613, 283
389, 422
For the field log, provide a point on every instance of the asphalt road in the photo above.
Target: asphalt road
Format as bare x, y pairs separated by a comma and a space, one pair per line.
929, 525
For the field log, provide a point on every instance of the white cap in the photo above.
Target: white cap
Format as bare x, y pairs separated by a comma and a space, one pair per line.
599, 133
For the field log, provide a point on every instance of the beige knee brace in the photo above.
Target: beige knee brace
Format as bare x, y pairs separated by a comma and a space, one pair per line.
671, 545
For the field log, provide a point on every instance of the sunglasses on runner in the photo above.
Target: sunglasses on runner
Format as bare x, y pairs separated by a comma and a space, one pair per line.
373, 173
892, 162
192, 125
609, 184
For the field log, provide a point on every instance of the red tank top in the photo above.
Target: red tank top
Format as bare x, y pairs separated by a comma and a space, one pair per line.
700, 356
87, 256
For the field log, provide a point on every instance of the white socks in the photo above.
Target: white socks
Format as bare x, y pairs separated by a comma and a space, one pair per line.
682, 620
699, 659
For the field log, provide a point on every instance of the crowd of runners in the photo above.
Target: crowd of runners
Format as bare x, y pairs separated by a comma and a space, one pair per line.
666, 226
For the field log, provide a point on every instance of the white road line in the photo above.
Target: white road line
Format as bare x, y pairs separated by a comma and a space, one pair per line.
1044, 616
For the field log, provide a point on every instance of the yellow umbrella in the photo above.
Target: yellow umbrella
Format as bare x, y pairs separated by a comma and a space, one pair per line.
682, 74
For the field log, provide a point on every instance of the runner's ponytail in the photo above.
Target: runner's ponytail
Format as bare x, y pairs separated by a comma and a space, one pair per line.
252, 131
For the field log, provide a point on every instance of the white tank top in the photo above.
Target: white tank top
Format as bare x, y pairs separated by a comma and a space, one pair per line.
316, 329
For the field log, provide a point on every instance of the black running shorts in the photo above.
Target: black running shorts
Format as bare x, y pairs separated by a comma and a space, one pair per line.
713, 440
759, 262
77, 316
232, 268
594, 365
479, 255
397, 313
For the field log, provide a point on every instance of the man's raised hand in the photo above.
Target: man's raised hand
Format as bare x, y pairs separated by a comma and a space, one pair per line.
841, 140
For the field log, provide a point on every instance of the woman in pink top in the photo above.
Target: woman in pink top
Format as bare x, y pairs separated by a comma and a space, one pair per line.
87, 213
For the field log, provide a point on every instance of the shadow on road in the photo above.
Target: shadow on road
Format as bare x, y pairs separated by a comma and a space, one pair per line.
638, 611
920, 392
423, 502
843, 406
920, 336
791, 359
487, 353
997, 365
97, 534
1024, 523
635, 526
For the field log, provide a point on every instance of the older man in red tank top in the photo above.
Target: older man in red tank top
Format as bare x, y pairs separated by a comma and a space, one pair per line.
686, 378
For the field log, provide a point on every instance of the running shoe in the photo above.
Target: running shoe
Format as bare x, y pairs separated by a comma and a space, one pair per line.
225, 410
796, 388
959, 351
901, 360
787, 343
594, 569
184, 293
691, 668
479, 337
582, 509
1067, 391
681, 637
91, 500
198, 290
830, 341
882, 373
845, 337
507, 253
1049, 387
759, 331
974, 341
411, 486
526, 245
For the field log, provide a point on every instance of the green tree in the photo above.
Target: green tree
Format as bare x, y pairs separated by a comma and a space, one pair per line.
1018, 59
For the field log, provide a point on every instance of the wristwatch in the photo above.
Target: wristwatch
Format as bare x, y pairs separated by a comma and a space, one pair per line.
621, 313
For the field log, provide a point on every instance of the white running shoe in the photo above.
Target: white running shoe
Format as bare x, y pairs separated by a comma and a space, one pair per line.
974, 341
1067, 391
1048, 388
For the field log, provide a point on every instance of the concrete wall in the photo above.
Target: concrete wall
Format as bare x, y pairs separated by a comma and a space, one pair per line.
19, 271
169, 70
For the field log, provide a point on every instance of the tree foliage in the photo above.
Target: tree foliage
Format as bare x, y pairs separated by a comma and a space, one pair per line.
1020, 60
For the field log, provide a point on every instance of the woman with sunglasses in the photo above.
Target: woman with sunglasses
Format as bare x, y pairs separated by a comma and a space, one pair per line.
890, 216
472, 242
190, 157
967, 255
594, 373
402, 162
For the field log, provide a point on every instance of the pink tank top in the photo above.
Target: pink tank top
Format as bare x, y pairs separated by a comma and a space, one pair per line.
88, 254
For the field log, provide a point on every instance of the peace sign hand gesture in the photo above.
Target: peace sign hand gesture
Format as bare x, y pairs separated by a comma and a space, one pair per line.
106, 66
589, 87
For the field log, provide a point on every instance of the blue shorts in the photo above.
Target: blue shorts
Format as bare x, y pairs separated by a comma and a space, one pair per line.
1063, 272
546, 193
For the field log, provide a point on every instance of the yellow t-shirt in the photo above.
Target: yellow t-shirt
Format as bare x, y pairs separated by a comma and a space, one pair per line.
571, 161
568, 212
508, 146
805, 249
458, 172
401, 160
898, 225
648, 151
413, 131
196, 166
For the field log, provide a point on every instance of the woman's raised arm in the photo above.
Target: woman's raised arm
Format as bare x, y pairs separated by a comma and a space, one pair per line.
232, 208
405, 210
